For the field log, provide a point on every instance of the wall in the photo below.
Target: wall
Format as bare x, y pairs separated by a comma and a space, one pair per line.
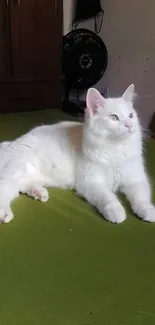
128, 32
68, 7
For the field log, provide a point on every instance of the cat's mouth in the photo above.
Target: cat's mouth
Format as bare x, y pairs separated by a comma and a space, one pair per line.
129, 129
128, 132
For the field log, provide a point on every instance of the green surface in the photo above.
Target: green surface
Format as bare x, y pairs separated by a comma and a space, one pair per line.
61, 264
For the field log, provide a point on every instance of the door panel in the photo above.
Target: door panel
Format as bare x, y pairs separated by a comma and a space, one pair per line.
36, 27
5, 60
30, 54
27, 96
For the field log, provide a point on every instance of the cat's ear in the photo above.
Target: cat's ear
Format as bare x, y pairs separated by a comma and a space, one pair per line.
94, 100
129, 94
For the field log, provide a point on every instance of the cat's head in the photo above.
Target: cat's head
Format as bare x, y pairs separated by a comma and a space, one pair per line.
115, 118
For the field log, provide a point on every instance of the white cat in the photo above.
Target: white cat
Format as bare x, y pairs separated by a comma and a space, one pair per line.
97, 159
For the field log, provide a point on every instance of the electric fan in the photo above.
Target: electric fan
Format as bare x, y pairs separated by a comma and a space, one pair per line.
85, 60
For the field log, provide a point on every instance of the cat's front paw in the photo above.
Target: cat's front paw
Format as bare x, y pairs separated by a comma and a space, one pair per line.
114, 212
147, 213
6, 215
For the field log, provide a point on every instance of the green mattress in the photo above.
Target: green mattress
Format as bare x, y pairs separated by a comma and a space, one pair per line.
62, 264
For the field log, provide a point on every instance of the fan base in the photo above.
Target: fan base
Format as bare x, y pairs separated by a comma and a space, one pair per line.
74, 108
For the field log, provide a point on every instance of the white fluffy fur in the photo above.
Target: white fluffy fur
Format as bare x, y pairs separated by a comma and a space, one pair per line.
97, 158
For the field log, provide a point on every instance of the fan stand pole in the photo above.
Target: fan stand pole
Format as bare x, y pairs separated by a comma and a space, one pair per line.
67, 91
68, 106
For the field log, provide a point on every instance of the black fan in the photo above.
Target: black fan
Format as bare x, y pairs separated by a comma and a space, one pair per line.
84, 63
84, 58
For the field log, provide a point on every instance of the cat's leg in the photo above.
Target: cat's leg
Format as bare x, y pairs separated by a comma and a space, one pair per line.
139, 196
8, 192
38, 192
103, 199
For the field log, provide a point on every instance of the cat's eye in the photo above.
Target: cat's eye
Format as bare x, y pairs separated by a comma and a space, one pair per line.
131, 115
114, 117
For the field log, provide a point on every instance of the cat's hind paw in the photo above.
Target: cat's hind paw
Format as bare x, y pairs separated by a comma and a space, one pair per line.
39, 193
6, 215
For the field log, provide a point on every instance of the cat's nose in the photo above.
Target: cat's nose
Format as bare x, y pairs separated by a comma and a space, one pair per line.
128, 124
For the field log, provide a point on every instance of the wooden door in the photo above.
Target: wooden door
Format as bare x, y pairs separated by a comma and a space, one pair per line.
30, 54
5, 59
36, 38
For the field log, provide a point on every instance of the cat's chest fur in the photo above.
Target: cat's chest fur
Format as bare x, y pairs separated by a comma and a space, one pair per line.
112, 163
113, 154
